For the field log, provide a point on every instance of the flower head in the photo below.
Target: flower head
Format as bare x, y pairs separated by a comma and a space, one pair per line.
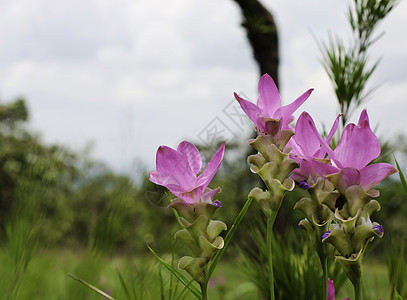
178, 170
268, 112
357, 148
309, 149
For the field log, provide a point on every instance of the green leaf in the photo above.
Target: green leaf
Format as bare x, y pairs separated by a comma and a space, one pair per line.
124, 285
402, 178
178, 274
398, 297
100, 292
229, 235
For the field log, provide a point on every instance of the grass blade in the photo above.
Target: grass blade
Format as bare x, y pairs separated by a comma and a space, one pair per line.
100, 292
177, 274
229, 235
402, 178
124, 285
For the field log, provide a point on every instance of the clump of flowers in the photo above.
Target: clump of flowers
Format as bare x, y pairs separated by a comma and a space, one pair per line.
340, 183
178, 171
272, 162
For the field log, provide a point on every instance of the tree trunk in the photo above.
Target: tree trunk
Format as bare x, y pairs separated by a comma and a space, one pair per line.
262, 34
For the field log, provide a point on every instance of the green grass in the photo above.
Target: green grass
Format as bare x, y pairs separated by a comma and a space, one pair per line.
46, 278
375, 281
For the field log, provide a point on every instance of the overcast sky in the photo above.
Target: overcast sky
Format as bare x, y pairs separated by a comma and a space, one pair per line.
132, 75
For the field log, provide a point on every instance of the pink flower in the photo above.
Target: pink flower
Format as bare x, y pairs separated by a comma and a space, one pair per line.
358, 147
177, 170
309, 150
269, 107
331, 291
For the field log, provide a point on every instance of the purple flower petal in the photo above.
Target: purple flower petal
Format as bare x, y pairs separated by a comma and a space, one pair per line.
326, 234
175, 164
379, 228
192, 154
216, 203
358, 145
269, 99
333, 130
303, 185
331, 290
305, 138
373, 174
177, 170
211, 168
209, 194
346, 178
250, 109
268, 105
285, 112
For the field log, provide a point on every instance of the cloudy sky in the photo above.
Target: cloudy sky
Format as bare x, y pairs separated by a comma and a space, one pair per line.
132, 75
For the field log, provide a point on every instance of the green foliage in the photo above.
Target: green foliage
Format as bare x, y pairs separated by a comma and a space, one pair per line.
348, 68
295, 264
22, 246
396, 267
73, 200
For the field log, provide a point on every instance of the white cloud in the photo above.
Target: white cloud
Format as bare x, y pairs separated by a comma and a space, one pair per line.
132, 75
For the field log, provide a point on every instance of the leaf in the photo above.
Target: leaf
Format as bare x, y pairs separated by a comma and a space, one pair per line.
91, 287
398, 297
229, 235
178, 274
402, 178
124, 285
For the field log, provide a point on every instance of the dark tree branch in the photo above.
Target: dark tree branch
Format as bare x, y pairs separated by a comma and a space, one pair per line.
262, 34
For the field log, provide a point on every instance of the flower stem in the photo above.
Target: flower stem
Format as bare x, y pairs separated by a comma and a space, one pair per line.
270, 223
357, 290
324, 265
204, 290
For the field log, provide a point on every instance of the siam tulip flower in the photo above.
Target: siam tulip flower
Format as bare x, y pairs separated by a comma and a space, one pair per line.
268, 115
331, 291
178, 170
357, 148
309, 149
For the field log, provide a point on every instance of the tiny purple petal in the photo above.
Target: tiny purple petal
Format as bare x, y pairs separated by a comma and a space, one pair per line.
326, 234
331, 290
378, 227
304, 185
216, 203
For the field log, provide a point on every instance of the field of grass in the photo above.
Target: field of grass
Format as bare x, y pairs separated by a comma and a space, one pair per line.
141, 278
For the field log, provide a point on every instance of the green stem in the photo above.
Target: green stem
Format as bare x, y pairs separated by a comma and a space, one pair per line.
324, 264
204, 290
270, 223
357, 289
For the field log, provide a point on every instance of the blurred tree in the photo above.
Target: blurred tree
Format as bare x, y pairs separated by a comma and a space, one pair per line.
263, 36
347, 67
73, 200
